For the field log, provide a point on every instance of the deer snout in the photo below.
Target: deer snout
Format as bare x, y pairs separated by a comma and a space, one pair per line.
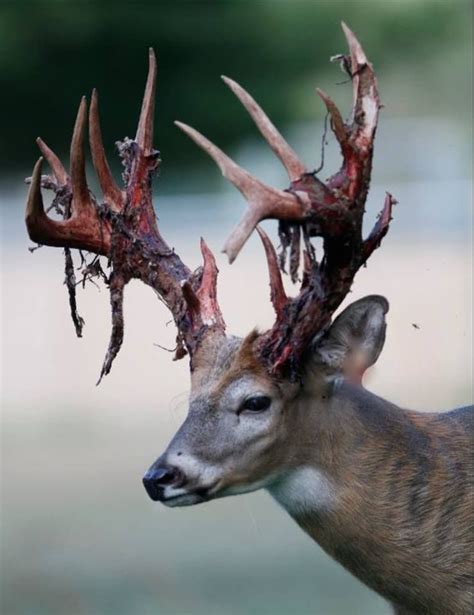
160, 476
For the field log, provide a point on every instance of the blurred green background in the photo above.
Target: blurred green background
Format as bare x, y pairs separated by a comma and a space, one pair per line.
79, 536
53, 52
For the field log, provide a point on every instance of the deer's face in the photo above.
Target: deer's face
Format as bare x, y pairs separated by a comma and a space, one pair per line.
244, 429
233, 439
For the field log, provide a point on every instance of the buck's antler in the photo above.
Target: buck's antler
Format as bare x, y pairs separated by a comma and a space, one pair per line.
124, 227
333, 210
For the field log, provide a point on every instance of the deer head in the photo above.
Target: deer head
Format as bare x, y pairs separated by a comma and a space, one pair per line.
248, 397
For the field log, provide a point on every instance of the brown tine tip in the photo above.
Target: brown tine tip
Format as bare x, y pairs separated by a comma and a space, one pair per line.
56, 165
144, 136
240, 234
357, 53
248, 185
337, 121
34, 201
259, 195
77, 158
270, 133
230, 170
210, 270
207, 292
206, 251
277, 290
365, 94
112, 193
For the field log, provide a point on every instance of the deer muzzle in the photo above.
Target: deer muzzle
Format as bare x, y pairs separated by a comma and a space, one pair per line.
159, 477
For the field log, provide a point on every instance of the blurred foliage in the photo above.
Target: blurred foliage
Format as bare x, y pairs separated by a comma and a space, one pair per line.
54, 51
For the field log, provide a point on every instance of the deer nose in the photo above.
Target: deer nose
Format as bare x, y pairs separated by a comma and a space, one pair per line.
157, 478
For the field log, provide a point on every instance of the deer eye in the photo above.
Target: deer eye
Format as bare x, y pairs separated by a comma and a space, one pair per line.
257, 403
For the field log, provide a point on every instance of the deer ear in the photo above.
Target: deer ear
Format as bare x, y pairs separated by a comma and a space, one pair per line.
355, 339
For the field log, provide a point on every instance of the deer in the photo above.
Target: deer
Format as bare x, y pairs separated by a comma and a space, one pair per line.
385, 491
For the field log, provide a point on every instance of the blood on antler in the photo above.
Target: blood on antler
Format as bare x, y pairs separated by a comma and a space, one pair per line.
332, 210
123, 227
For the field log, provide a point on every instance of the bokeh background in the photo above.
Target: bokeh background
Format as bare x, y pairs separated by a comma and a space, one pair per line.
79, 535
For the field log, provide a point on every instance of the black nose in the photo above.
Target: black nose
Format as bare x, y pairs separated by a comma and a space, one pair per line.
157, 478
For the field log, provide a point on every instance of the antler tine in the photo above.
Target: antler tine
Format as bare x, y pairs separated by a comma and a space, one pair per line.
240, 234
282, 149
56, 165
34, 204
80, 190
144, 136
380, 228
248, 185
358, 56
309, 208
337, 215
132, 243
366, 102
277, 291
207, 293
112, 193
264, 201
336, 118
40, 227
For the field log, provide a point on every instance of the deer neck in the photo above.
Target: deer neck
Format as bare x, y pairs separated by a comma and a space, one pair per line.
333, 439
337, 464
347, 481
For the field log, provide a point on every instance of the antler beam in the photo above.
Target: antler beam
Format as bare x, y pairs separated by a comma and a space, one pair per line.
124, 226
332, 210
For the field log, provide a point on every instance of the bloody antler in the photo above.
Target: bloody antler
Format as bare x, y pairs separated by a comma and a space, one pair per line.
332, 210
124, 227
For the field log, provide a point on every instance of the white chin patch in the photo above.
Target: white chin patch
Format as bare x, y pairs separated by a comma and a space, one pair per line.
187, 499
304, 490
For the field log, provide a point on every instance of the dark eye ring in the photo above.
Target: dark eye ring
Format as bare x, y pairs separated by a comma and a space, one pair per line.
257, 403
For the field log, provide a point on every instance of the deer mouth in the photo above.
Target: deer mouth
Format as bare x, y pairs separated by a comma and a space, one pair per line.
186, 496
191, 498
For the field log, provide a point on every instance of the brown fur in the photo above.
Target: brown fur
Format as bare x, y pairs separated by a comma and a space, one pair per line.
398, 506
403, 520
243, 361
403, 523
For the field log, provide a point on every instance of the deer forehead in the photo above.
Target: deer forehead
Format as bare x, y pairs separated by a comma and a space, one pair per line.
229, 367
214, 359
